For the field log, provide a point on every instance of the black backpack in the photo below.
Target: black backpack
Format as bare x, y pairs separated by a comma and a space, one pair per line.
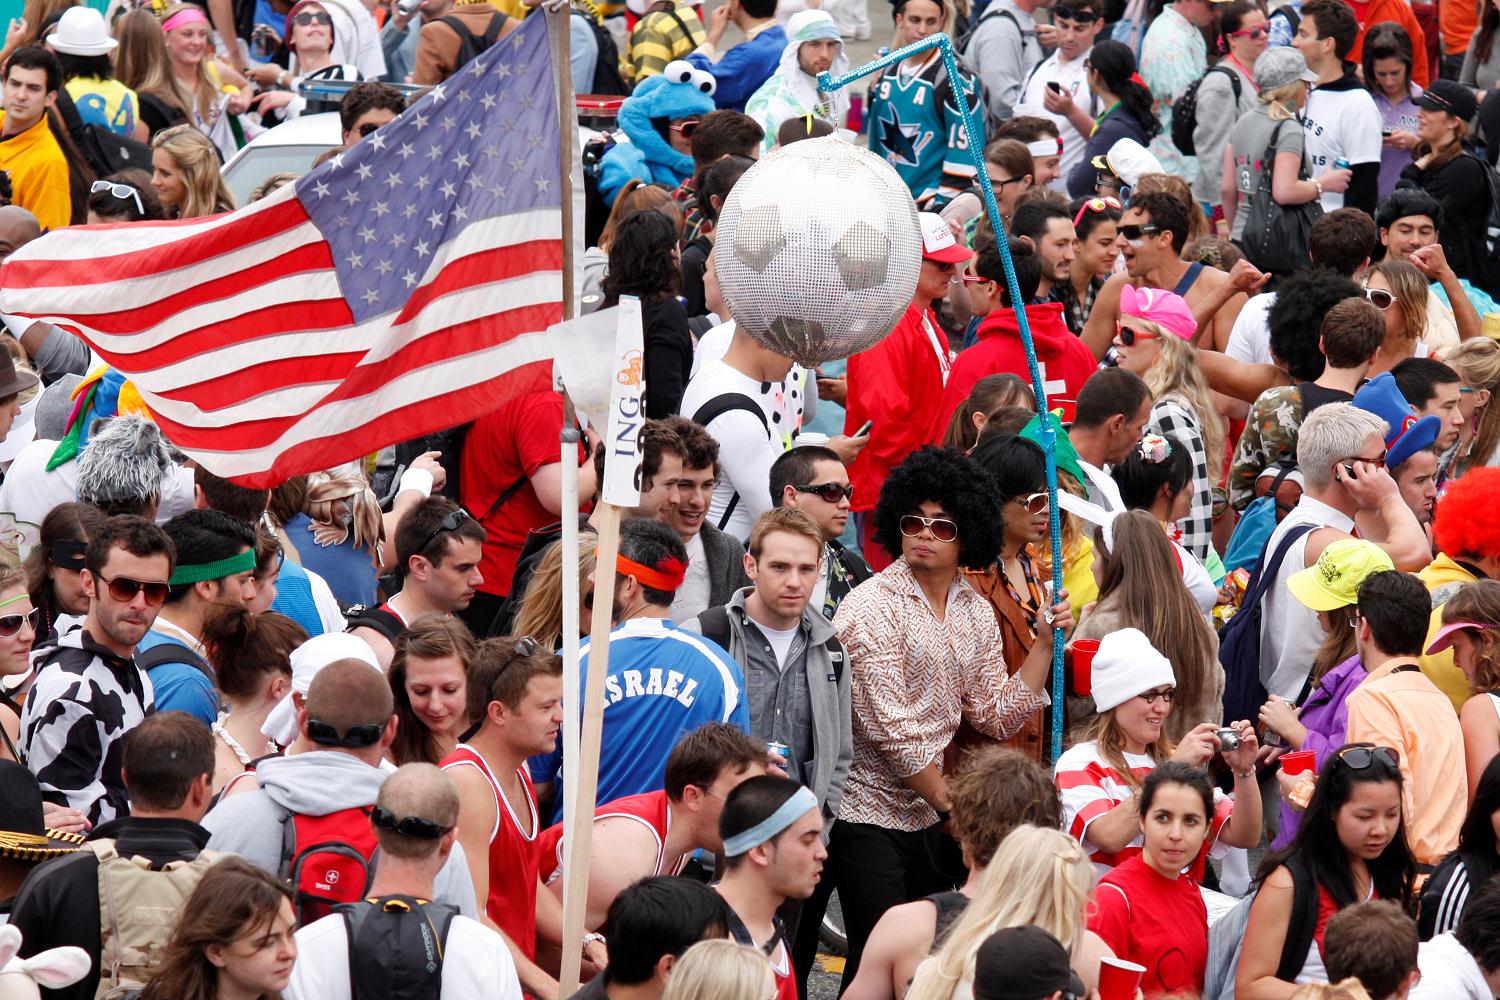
607, 79
173, 652
717, 407
396, 947
1185, 110
469, 45
1239, 642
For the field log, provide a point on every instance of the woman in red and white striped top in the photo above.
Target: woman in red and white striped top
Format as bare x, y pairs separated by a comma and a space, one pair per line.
1100, 779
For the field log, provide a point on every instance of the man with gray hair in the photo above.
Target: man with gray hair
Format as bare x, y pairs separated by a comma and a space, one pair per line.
125, 467
1341, 454
388, 938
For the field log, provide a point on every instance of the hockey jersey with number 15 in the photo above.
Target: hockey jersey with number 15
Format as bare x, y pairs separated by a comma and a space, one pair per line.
661, 684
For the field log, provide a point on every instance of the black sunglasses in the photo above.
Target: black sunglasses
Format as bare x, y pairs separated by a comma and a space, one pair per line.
832, 492
407, 826
311, 17
10, 625
124, 589
1135, 231
451, 521
1362, 755
367, 129
355, 738
1072, 14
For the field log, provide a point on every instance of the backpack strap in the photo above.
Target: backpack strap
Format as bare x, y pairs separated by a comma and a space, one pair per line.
717, 407
173, 652
465, 36
715, 625
1302, 926
1188, 278
376, 619
497, 24
1270, 564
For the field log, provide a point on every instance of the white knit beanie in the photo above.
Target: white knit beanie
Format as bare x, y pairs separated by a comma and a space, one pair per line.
1125, 666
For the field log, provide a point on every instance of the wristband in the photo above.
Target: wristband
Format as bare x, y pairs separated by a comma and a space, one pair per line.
1245, 774
416, 479
591, 937
1318, 186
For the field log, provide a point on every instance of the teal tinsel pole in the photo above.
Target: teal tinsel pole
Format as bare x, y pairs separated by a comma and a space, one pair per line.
975, 153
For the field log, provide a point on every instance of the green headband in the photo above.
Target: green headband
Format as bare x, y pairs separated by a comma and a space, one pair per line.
217, 570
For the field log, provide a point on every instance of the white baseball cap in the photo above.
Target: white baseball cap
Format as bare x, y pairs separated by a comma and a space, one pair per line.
937, 240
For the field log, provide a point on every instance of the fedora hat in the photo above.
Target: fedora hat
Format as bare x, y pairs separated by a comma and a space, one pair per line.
13, 379
81, 31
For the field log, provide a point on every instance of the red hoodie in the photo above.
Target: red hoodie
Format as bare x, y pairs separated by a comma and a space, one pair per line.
1062, 356
897, 384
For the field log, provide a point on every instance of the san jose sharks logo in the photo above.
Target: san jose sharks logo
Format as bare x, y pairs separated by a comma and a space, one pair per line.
903, 143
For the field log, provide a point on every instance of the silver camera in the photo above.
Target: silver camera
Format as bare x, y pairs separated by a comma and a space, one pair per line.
1229, 739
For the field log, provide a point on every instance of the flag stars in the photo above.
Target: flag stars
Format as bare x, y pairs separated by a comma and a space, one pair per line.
461, 160
367, 234
406, 151
422, 249
377, 140
460, 213
393, 179
365, 171
489, 152
423, 182
438, 94
356, 260
535, 140
542, 184
488, 100
351, 197
448, 123
382, 209
475, 69
410, 278
398, 238
434, 151
472, 130
408, 210
498, 190
475, 182
321, 189
371, 297
517, 163
418, 120
448, 189
385, 267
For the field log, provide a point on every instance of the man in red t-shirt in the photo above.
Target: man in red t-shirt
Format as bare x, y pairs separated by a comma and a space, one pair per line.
515, 691
511, 479
897, 385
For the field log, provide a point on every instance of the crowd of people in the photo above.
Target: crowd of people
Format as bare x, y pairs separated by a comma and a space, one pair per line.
303, 742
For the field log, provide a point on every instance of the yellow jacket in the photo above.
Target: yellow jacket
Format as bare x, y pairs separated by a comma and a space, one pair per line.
1442, 577
38, 174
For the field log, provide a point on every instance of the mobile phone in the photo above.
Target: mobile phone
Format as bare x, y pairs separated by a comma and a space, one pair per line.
1386, 130
408, 7
1054, 86
864, 428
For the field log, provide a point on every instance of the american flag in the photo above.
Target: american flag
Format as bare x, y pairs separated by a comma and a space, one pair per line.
403, 287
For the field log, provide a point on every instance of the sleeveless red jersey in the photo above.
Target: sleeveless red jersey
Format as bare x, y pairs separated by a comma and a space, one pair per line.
649, 809
511, 903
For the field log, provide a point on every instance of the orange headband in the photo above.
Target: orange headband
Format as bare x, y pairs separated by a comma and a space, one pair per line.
668, 576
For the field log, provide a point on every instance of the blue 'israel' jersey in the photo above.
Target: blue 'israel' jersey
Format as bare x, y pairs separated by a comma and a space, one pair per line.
662, 683
916, 126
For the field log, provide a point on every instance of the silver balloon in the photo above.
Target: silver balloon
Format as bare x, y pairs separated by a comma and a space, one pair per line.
818, 250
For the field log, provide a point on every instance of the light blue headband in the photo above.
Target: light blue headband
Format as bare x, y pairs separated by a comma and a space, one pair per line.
791, 810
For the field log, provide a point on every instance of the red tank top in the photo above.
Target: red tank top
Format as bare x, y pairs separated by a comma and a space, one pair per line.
513, 855
648, 808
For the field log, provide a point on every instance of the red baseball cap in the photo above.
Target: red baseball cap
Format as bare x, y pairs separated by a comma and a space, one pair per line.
937, 240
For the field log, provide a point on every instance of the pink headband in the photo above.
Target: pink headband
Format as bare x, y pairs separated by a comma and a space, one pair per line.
192, 15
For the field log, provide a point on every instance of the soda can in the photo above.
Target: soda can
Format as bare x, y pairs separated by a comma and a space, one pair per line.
1341, 163
781, 750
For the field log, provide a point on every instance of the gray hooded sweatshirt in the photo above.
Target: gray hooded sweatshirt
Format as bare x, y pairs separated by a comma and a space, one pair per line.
314, 784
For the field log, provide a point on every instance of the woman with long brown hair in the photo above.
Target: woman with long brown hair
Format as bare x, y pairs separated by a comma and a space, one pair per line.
1447, 170
635, 196
213, 88
234, 939
1141, 587
143, 65
988, 395
1477, 362
430, 682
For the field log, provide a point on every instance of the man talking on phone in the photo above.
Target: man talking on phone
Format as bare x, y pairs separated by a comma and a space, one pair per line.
1058, 89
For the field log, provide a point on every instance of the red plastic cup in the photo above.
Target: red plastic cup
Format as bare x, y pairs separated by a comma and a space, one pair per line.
1083, 666
1119, 979
1298, 761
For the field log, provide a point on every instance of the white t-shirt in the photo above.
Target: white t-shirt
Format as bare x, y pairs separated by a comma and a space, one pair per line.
748, 446
692, 597
1074, 80
476, 963
1289, 630
1340, 124
1250, 337
780, 640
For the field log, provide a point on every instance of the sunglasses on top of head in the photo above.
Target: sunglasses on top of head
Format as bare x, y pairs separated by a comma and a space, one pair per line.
1361, 755
1080, 17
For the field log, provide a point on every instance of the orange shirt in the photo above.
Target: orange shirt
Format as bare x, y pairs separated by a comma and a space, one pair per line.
1403, 710
1374, 12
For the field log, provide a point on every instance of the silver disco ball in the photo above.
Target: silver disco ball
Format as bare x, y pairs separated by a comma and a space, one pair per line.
818, 250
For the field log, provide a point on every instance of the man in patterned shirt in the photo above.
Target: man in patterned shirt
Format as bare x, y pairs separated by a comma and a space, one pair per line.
925, 654
88, 692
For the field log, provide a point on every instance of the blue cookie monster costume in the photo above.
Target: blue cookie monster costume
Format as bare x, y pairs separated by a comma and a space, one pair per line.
678, 92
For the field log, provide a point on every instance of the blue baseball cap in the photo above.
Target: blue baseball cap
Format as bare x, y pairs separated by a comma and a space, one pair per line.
1407, 432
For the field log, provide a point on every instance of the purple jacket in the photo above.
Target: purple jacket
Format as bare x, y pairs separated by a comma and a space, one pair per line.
1327, 720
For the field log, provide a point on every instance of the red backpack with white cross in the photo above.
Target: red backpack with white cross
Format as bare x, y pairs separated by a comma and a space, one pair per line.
328, 860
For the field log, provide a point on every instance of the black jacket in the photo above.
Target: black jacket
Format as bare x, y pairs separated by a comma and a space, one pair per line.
1118, 124
59, 902
669, 355
1460, 187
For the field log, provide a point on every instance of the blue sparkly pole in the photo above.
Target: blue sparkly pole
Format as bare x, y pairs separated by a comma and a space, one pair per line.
944, 44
